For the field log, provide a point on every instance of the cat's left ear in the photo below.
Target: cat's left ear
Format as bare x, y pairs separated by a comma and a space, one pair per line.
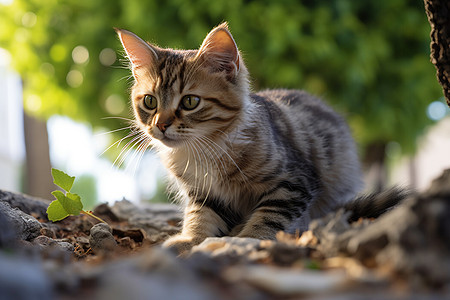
220, 51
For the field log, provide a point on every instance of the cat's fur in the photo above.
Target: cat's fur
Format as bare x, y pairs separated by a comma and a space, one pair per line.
243, 164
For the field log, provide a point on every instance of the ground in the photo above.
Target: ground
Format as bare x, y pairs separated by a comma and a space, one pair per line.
402, 254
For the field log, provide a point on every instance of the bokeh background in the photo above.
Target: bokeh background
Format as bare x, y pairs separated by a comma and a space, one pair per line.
64, 90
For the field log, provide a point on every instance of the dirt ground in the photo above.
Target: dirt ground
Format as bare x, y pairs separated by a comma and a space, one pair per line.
404, 254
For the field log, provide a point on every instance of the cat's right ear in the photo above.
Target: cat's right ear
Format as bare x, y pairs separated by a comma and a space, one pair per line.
140, 53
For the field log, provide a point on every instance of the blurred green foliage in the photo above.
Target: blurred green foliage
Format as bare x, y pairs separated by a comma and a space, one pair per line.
86, 186
370, 59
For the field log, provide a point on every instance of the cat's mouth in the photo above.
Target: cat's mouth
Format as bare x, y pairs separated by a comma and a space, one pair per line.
170, 142
169, 139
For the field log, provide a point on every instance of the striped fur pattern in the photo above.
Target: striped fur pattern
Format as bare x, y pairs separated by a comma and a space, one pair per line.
244, 164
375, 204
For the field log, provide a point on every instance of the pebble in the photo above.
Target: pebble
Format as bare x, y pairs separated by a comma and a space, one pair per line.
101, 239
46, 242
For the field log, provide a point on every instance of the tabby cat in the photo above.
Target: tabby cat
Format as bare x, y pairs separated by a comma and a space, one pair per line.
244, 164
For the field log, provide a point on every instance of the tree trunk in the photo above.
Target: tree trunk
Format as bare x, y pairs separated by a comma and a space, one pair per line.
374, 164
438, 13
38, 180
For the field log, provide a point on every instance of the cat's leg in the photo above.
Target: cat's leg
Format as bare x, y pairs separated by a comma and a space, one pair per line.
272, 216
200, 222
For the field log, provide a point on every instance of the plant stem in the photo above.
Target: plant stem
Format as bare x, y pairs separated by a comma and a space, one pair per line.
93, 216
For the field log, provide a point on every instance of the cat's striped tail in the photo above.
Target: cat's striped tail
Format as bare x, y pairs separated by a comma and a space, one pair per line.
375, 204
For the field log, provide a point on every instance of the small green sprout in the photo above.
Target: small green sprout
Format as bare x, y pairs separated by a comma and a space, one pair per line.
66, 204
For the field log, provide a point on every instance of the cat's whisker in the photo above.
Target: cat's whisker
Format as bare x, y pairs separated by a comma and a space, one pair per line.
197, 160
128, 78
139, 152
120, 67
226, 135
120, 118
208, 158
244, 177
219, 157
122, 156
130, 149
126, 148
205, 163
189, 148
203, 167
209, 190
214, 155
112, 131
187, 163
133, 133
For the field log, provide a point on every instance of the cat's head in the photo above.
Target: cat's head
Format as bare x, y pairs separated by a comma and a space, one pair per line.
183, 95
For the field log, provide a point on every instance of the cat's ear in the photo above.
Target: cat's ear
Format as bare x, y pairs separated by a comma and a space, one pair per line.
140, 53
220, 51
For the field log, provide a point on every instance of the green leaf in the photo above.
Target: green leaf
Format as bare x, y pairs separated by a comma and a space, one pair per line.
56, 211
62, 180
71, 203
75, 202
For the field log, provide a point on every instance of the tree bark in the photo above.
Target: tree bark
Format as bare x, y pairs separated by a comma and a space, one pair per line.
374, 164
38, 180
438, 13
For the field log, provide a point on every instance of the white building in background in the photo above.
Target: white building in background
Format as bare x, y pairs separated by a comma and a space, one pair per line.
431, 159
12, 148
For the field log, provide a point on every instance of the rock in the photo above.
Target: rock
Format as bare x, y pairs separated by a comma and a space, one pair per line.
370, 240
101, 239
25, 226
65, 246
411, 240
333, 233
157, 220
47, 231
153, 226
285, 254
45, 242
104, 210
136, 235
414, 238
228, 246
126, 210
82, 240
440, 186
29, 205
7, 232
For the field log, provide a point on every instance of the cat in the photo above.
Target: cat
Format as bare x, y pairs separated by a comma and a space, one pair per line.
244, 164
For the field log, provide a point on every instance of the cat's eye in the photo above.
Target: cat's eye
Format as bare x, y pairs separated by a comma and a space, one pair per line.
150, 102
190, 102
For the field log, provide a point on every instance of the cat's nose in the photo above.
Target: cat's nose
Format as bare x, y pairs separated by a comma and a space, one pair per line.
163, 126
163, 121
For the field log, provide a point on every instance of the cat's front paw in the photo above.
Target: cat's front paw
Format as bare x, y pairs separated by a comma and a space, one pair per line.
181, 243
